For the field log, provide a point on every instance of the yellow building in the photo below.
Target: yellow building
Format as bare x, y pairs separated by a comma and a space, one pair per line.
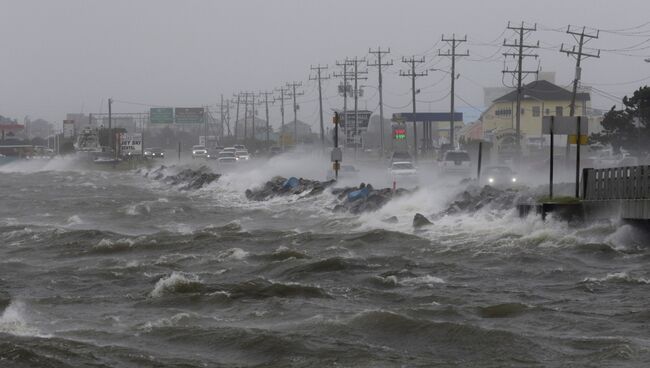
540, 98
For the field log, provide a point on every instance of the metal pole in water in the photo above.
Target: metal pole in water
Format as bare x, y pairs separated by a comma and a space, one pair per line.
480, 159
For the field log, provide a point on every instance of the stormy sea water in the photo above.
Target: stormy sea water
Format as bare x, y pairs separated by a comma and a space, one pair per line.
114, 269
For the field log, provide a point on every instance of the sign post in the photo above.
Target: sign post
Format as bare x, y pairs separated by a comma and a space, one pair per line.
577, 126
337, 154
550, 162
578, 158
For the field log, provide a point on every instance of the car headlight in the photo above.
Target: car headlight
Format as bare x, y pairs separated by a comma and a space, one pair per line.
490, 180
514, 180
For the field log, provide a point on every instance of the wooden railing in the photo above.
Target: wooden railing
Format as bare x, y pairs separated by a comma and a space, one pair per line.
630, 182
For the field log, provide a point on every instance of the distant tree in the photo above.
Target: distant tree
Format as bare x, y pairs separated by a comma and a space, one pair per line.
629, 128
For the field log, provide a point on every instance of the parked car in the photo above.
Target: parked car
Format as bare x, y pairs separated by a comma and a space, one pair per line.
154, 152
199, 151
499, 176
456, 162
240, 147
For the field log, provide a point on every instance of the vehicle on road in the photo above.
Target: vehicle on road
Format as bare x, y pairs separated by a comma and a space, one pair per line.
275, 150
199, 151
212, 154
400, 156
227, 158
239, 147
242, 155
154, 152
499, 176
456, 162
403, 168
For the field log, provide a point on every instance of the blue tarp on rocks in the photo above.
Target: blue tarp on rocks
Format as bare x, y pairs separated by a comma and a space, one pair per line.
357, 194
291, 183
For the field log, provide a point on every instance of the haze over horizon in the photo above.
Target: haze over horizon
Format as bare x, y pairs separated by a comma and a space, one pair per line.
72, 55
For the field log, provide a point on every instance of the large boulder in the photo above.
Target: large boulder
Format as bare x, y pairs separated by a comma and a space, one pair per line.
420, 221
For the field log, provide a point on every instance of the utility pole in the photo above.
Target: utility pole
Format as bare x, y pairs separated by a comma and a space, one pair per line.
228, 102
266, 95
237, 128
357, 137
413, 74
581, 38
319, 77
379, 64
453, 43
245, 116
253, 116
110, 123
283, 93
345, 63
579, 55
294, 94
520, 73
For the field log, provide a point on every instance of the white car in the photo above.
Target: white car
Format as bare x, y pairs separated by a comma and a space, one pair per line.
227, 158
242, 155
456, 162
403, 169
199, 152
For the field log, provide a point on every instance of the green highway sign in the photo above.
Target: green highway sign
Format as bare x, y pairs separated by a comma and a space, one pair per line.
161, 115
189, 115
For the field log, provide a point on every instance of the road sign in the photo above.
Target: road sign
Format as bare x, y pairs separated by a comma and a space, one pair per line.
131, 143
68, 128
337, 154
189, 115
565, 125
161, 115
573, 139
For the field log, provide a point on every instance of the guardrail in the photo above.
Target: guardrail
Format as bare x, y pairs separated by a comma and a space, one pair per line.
630, 182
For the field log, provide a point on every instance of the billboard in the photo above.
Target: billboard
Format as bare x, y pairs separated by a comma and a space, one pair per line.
68, 128
131, 143
189, 115
161, 115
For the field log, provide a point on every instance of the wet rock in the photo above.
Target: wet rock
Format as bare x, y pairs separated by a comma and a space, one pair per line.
280, 186
364, 198
188, 179
476, 198
419, 221
390, 220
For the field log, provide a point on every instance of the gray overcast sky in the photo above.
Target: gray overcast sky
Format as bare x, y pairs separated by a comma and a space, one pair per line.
71, 55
